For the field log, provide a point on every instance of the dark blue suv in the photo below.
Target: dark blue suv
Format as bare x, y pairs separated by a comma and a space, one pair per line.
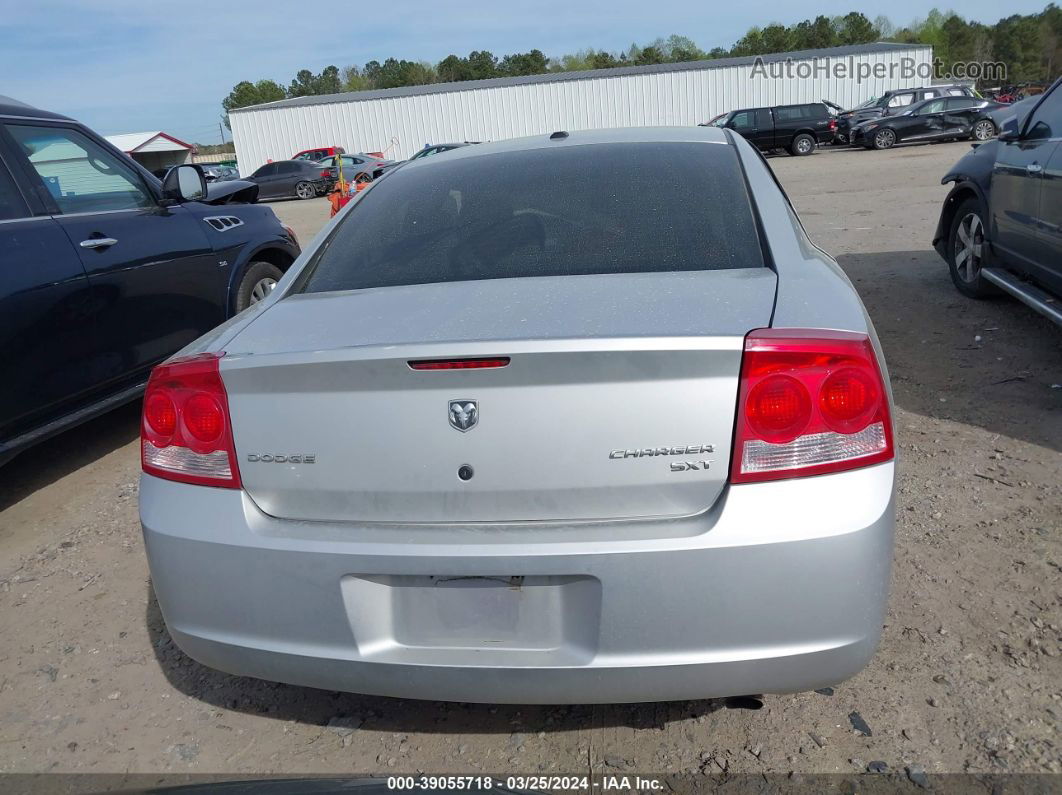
105, 271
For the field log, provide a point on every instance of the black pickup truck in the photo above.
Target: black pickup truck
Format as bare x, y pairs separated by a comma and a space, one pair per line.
796, 128
105, 270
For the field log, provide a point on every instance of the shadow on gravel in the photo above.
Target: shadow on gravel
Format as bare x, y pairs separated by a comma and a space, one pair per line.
989, 364
49, 461
374, 713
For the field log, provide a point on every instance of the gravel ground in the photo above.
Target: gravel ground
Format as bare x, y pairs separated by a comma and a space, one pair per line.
967, 678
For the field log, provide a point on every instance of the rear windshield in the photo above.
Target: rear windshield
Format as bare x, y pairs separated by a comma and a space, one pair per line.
599, 208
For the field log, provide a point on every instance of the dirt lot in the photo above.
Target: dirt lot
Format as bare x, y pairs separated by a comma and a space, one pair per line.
967, 679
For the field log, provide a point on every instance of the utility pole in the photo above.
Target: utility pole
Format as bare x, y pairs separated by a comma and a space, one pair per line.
221, 129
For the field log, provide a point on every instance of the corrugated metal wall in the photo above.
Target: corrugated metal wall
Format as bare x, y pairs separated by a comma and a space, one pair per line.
399, 126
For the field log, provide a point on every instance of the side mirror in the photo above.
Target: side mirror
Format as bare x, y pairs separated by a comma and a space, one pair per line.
1009, 130
184, 184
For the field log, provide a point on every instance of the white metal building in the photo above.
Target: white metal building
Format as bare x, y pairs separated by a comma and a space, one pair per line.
399, 121
154, 150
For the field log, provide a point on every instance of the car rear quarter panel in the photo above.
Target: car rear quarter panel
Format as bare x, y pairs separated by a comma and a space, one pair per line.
813, 290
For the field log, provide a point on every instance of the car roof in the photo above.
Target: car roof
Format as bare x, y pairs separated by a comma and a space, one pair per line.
614, 135
330, 158
942, 86
772, 107
12, 107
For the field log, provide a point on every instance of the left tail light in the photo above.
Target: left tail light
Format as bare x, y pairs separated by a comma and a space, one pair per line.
833, 124
185, 428
810, 402
327, 173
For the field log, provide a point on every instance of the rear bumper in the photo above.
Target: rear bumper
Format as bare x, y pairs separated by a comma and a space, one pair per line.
781, 587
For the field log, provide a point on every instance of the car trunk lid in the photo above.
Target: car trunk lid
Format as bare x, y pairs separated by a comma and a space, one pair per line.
617, 400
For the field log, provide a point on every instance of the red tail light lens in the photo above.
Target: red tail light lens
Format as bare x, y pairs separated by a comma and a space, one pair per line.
160, 415
186, 433
778, 408
203, 417
327, 173
847, 399
810, 402
833, 124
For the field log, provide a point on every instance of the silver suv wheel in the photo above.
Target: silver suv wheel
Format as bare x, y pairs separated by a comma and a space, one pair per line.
262, 288
969, 247
884, 139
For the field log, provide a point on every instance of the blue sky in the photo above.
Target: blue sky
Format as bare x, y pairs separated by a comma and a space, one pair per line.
133, 65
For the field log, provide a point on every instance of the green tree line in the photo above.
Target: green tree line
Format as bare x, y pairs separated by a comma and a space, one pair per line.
1030, 45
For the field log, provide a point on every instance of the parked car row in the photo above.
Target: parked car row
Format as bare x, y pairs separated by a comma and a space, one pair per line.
892, 102
941, 119
931, 113
313, 172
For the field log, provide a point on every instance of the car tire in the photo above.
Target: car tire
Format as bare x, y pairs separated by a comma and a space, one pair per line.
305, 190
967, 250
256, 283
983, 130
884, 139
803, 144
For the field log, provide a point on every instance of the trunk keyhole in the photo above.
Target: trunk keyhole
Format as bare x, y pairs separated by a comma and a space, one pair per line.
465, 472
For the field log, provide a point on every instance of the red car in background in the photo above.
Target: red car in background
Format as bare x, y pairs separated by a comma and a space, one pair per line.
318, 153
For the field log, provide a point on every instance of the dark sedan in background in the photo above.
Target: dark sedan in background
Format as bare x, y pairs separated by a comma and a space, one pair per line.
212, 172
894, 102
1001, 225
286, 179
941, 119
217, 172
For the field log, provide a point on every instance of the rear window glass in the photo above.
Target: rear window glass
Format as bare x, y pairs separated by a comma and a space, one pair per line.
598, 208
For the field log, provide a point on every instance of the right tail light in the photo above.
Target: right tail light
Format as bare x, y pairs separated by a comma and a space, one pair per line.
185, 428
810, 402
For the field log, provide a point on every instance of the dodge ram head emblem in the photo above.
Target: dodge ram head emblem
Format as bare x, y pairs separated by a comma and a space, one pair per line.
464, 414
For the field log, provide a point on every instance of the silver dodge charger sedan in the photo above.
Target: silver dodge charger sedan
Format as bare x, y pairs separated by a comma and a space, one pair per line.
574, 418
